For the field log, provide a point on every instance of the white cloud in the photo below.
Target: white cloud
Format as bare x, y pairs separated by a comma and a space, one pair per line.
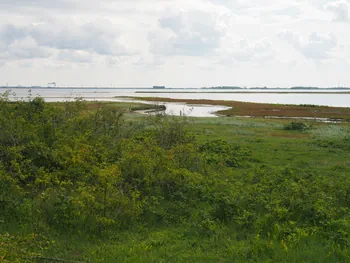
193, 33
97, 36
74, 43
235, 4
340, 9
76, 56
139, 42
9, 33
316, 46
25, 48
149, 62
260, 50
244, 50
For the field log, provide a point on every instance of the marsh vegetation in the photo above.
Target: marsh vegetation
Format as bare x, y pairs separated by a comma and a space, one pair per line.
93, 182
238, 108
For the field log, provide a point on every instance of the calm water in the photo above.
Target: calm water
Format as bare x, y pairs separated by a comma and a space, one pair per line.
305, 97
179, 109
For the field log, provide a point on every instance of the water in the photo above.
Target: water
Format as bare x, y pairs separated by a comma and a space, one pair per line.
316, 98
335, 98
180, 109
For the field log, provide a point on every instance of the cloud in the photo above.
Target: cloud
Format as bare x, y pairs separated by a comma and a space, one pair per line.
149, 62
69, 39
98, 36
113, 61
27, 48
260, 50
316, 46
246, 50
24, 48
235, 4
9, 4
57, 65
292, 11
194, 33
116, 40
76, 56
9, 33
340, 10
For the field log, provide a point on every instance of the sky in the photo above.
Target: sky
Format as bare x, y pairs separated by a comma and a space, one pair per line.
176, 43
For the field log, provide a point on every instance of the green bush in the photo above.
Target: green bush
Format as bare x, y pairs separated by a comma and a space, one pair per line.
296, 126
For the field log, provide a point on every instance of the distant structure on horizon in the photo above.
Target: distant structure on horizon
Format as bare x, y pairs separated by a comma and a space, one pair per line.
51, 85
223, 87
159, 87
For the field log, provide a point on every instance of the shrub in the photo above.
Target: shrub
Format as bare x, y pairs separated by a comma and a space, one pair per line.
296, 126
170, 131
221, 152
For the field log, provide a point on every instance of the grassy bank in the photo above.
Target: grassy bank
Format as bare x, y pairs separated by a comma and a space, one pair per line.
265, 110
121, 106
94, 182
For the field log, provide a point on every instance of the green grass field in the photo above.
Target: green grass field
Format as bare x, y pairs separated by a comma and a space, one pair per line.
149, 189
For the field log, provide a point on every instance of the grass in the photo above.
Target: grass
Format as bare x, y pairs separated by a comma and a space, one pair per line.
271, 144
124, 106
177, 245
322, 150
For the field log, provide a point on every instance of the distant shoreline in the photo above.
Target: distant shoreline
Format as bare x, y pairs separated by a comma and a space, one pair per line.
9, 88
293, 90
250, 92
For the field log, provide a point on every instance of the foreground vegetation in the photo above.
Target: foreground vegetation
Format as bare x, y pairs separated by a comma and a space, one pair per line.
91, 182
